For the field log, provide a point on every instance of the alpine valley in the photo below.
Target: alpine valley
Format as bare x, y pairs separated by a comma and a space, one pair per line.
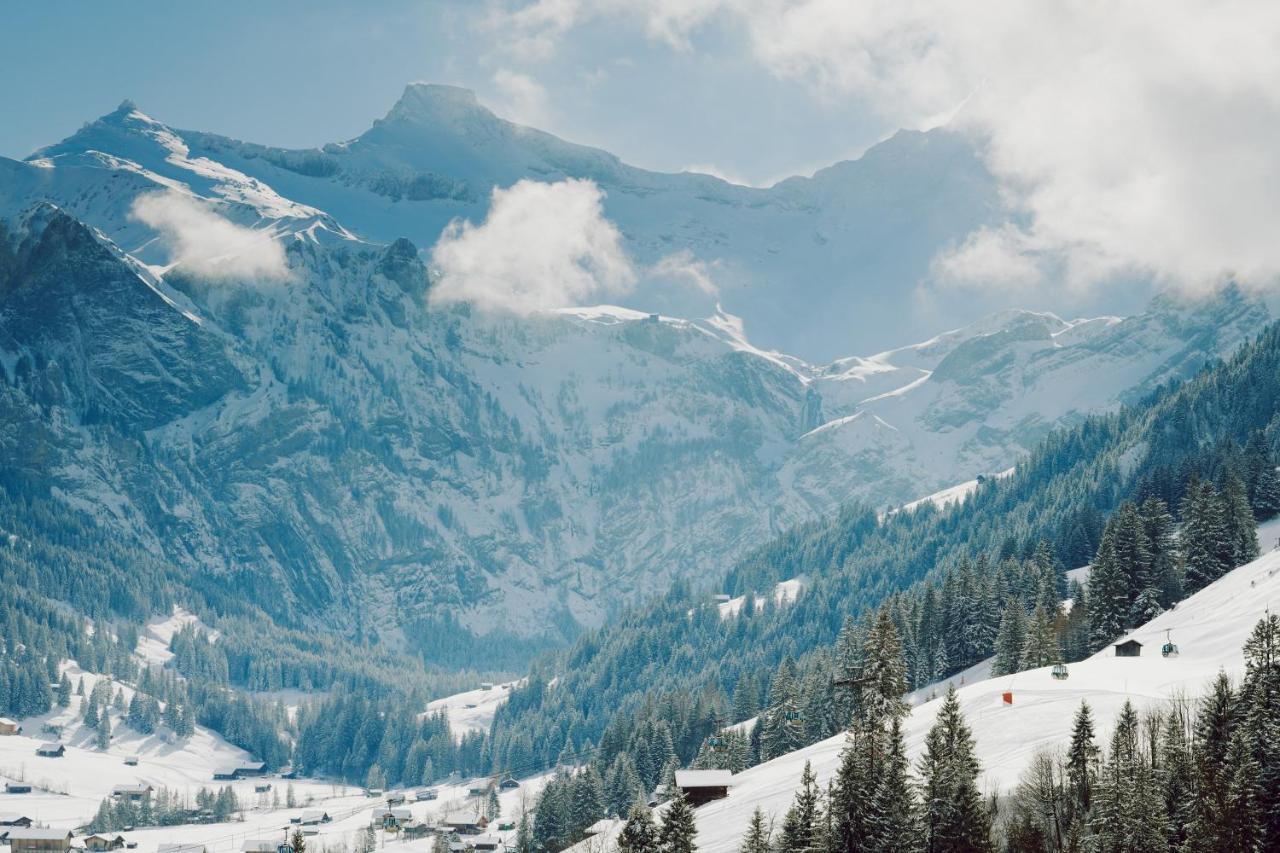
747, 556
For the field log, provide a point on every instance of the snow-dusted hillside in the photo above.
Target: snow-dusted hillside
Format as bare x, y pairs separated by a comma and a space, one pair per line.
1209, 628
345, 442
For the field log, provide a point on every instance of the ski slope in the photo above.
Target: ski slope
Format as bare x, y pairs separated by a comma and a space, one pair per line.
1210, 629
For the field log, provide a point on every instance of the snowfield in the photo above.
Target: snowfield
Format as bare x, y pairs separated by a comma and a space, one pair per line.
1209, 628
473, 710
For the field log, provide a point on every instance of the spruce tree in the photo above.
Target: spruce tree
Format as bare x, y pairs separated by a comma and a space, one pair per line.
1108, 594
758, 838
894, 813
1010, 639
801, 819
883, 681
955, 818
678, 827
1082, 761
1261, 481
1203, 539
1240, 527
639, 834
1040, 648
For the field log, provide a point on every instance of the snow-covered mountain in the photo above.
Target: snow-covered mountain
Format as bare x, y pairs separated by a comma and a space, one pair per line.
331, 444
819, 266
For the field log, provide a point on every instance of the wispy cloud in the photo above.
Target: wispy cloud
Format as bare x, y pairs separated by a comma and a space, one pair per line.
520, 98
1134, 137
201, 241
542, 245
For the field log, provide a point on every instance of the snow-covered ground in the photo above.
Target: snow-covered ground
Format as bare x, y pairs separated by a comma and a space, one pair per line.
784, 592
1210, 628
473, 710
68, 790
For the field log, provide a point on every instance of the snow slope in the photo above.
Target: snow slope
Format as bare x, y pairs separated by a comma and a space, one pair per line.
473, 710
1210, 628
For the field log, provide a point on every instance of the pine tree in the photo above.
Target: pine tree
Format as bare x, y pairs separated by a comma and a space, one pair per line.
103, 737
1204, 537
1040, 648
1214, 727
1128, 814
639, 835
955, 819
678, 827
64, 691
1010, 639
1240, 528
801, 819
894, 824
1261, 481
1108, 594
1082, 761
883, 684
759, 837
783, 730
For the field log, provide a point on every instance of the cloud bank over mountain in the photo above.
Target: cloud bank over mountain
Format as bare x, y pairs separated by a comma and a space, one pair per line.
1132, 141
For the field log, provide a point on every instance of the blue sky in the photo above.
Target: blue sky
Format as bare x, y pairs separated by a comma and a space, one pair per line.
305, 73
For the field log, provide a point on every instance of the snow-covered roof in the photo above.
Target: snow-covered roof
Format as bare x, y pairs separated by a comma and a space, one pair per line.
37, 833
8, 722
703, 778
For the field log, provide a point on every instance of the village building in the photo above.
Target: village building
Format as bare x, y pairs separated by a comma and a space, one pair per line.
134, 793
104, 842
51, 750
17, 788
509, 784
466, 825
33, 839
233, 772
131, 761
9, 727
14, 819
312, 817
426, 794
703, 786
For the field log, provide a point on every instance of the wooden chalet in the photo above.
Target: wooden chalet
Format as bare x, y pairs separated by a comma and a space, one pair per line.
37, 839
9, 727
104, 842
1129, 649
51, 750
703, 786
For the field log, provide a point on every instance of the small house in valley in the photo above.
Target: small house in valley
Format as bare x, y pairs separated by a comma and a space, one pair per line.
51, 750
17, 788
9, 727
104, 842
33, 839
11, 819
133, 793
466, 825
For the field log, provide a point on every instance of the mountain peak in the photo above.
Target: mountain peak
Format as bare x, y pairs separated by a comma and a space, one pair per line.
435, 102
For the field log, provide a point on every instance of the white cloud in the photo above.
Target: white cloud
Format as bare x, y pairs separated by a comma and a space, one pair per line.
542, 245
1131, 137
683, 266
201, 241
521, 98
